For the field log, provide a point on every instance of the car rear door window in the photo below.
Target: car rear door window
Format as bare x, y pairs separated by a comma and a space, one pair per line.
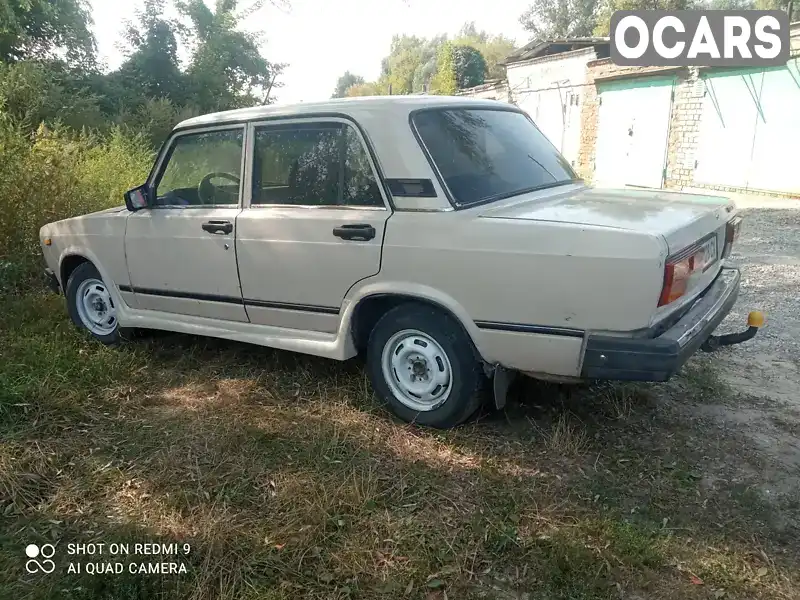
484, 155
312, 164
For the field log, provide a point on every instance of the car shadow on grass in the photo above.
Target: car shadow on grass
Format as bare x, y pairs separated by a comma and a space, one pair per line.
288, 480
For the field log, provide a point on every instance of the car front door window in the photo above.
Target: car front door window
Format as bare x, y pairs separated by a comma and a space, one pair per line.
203, 169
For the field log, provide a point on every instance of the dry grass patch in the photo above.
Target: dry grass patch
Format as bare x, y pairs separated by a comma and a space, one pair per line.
289, 481
567, 438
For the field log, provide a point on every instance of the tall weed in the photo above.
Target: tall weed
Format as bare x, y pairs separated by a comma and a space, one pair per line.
53, 174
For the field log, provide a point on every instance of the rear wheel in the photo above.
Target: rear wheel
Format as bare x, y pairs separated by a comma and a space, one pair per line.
423, 365
90, 304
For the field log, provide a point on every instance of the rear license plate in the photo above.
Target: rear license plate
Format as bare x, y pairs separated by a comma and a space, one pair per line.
707, 255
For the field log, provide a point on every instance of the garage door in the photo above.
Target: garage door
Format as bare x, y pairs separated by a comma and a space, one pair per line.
727, 128
746, 138
776, 147
632, 132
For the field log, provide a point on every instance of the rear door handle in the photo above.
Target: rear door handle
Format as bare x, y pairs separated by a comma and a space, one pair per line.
218, 227
355, 231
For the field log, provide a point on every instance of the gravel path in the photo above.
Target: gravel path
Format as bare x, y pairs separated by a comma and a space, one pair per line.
768, 252
765, 370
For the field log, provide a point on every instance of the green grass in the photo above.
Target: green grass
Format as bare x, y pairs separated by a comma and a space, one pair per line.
288, 480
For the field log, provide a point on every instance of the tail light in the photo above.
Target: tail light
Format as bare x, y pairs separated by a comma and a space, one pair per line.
732, 229
681, 267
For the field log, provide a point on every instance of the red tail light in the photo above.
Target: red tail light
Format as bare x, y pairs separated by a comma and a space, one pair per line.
732, 229
676, 280
681, 267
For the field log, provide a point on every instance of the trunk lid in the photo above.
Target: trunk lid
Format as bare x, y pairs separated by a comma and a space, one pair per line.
681, 219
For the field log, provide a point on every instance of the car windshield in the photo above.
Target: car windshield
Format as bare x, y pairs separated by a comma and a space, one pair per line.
485, 154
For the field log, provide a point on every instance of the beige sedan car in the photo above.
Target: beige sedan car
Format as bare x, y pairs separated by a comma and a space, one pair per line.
446, 238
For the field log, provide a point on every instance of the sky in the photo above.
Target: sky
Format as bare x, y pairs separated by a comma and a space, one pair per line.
321, 39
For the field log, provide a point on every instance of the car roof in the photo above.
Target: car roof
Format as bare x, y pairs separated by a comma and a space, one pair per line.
392, 105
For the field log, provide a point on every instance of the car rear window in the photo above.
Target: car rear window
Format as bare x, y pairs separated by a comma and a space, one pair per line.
486, 155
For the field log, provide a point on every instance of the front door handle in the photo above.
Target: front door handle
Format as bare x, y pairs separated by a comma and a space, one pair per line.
355, 231
218, 227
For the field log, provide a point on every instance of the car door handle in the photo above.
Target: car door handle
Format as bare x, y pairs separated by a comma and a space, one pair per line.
218, 226
355, 231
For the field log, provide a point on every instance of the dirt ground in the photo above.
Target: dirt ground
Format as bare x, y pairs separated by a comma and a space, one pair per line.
759, 400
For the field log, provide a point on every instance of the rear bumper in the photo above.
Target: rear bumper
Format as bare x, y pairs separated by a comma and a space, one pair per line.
52, 281
658, 358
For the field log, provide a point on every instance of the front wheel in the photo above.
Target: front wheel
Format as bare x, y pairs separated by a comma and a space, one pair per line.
424, 366
90, 304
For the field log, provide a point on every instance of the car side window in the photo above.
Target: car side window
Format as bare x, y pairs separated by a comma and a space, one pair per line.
312, 164
202, 169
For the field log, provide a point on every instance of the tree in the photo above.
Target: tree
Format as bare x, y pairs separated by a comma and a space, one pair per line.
399, 68
48, 73
604, 15
469, 66
445, 82
603, 25
758, 5
788, 6
426, 67
43, 29
345, 82
547, 19
731, 4
227, 69
365, 89
152, 69
494, 48
34, 91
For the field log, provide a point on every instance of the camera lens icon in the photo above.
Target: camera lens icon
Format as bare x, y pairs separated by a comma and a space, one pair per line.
46, 551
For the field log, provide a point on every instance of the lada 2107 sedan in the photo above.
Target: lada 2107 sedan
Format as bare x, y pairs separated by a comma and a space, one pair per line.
444, 237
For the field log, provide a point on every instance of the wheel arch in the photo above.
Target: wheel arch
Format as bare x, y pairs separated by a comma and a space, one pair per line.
67, 266
372, 304
74, 256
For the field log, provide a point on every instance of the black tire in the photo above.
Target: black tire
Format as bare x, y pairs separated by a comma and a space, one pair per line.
83, 272
467, 377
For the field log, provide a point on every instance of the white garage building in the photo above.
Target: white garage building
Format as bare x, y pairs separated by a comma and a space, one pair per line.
675, 127
545, 79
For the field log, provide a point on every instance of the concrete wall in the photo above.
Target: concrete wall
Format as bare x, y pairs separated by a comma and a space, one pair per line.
495, 90
550, 89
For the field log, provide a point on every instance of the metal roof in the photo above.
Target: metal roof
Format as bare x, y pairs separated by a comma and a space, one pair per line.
538, 48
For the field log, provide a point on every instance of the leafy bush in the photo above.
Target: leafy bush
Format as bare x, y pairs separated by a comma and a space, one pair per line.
32, 92
54, 174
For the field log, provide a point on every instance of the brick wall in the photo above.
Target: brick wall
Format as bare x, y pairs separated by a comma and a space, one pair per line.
589, 121
684, 130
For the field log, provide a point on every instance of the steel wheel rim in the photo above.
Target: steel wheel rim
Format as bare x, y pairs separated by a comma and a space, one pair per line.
417, 370
96, 308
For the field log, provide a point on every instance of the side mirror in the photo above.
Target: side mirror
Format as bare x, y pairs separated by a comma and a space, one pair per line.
137, 198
